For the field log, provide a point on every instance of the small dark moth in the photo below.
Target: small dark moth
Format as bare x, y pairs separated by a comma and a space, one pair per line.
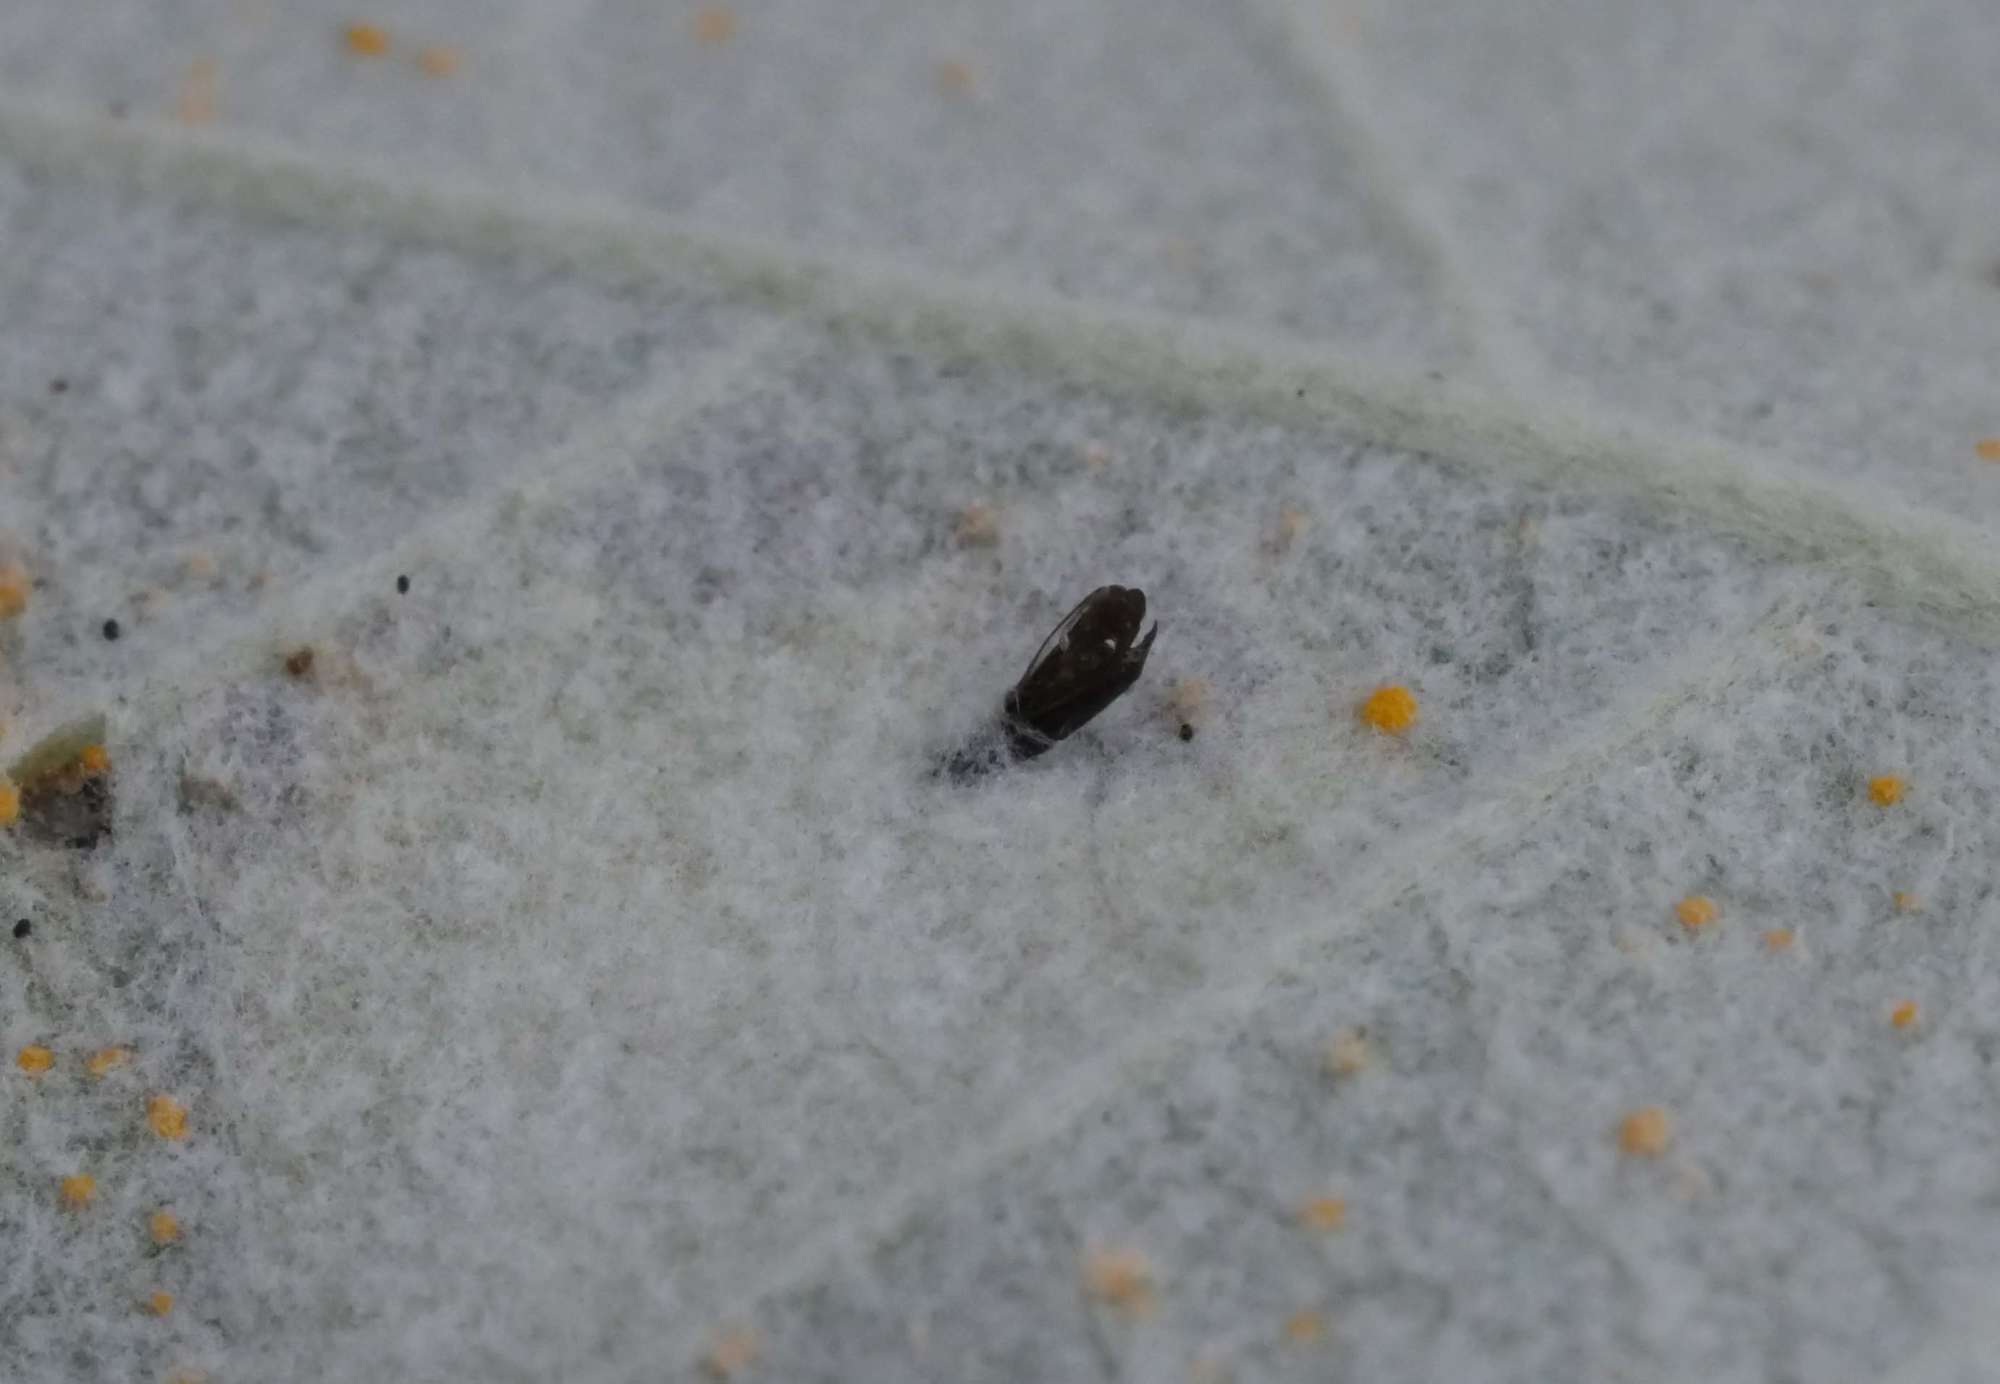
1087, 663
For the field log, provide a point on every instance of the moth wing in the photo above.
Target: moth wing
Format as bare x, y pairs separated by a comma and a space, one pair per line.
1059, 636
1085, 665
1088, 645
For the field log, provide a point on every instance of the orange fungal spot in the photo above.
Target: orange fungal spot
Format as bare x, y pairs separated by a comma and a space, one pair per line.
14, 588
366, 40
1645, 1132
714, 24
34, 1059
1390, 709
1119, 1278
1887, 790
1323, 1213
104, 1059
167, 1117
1904, 1014
163, 1227
77, 1190
1696, 911
1305, 1328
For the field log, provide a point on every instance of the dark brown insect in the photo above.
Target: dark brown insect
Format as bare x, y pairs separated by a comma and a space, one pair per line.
1087, 663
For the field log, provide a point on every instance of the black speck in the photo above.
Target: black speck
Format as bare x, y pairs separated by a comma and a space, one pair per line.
58, 386
110, 629
22, 929
402, 586
1187, 731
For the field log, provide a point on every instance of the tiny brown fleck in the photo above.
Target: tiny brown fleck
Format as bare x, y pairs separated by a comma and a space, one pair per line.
437, 61
977, 526
1305, 1328
954, 78
714, 25
1187, 703
733, 1351
195, 100
1349, 1054
1119, 1278
1323, 1213
1291, 523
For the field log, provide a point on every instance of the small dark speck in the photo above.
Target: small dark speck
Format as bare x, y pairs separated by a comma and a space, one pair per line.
1187, 731
58, 386
22, 929
110, 629
402, 586
299, 662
